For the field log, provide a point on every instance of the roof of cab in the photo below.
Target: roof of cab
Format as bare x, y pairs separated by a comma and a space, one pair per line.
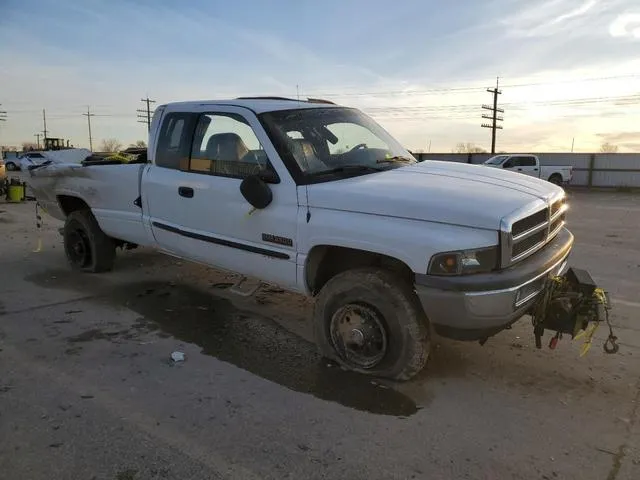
257, 104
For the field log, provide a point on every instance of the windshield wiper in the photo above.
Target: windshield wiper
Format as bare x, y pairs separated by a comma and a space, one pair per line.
396, 159
347, 169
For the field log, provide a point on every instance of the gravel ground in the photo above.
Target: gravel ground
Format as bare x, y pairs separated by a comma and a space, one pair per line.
88, 390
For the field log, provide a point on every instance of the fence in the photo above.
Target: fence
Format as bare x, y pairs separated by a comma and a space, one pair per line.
589, 169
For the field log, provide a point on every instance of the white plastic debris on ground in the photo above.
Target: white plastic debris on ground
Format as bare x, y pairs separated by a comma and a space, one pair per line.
177, 357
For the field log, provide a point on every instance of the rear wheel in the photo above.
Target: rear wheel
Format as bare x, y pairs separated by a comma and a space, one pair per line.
12, 167
87, 247
370, 321
556, 179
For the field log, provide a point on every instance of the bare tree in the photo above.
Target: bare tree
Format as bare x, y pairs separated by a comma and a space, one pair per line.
29, 146
110, 145
468, 148
607, 147
139, 144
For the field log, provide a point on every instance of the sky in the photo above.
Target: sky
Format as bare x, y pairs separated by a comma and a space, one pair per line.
569, 70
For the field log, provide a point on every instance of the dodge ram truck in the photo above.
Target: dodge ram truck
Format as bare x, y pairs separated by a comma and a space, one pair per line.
319, 199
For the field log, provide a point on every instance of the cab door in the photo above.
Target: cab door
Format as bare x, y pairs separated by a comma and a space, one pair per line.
198, 211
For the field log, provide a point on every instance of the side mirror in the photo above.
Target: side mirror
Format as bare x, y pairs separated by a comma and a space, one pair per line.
256, 192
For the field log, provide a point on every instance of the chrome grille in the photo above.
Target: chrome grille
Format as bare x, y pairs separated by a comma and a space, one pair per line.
528, 223
531, 229
530, 242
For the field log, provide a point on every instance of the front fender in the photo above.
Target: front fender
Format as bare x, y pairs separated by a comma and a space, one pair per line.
412, 242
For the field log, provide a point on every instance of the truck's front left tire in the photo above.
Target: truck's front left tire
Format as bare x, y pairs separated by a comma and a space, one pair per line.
87, 247
370, 321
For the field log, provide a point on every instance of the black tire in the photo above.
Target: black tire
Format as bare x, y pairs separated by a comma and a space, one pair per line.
408, 334
556, 179
87, 247
12, 167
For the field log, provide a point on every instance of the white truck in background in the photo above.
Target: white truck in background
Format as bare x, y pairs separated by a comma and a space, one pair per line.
530, 165
321, 200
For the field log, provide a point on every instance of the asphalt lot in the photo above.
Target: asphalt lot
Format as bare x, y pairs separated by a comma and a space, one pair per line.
88, 390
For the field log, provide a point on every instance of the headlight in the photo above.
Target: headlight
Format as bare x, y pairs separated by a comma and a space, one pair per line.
466, 262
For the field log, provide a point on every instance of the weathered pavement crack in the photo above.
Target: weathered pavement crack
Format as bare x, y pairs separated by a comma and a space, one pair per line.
48, 305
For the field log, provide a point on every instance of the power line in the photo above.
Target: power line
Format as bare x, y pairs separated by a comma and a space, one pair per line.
494, 115
577, 102
3, 115
89, 115
426, 91
145, 115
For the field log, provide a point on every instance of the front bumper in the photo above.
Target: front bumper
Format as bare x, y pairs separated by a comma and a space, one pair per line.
475, 307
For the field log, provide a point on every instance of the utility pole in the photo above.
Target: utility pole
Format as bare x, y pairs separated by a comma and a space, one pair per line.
44, 121
3, 118
494, 117
145, 114
89, 115
37, 135
573, 141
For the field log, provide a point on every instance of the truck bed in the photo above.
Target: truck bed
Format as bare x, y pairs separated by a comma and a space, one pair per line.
110, 190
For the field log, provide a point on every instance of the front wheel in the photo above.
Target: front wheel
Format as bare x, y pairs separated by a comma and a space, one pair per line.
370, 321
12, 167
87, 247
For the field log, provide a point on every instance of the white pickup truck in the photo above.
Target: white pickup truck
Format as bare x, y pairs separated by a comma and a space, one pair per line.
530, 165
321, 200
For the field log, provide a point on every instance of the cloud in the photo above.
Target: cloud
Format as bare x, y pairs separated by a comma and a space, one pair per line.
581, 10
626, 25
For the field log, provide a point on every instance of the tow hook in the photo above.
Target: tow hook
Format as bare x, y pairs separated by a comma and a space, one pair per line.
572, 304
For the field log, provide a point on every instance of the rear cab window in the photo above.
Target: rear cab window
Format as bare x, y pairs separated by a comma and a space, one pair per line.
174, 140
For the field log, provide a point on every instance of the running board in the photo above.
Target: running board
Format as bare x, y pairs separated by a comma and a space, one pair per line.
245, 287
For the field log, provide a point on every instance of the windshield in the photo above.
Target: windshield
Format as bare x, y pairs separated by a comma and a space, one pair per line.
325, 142
497, 160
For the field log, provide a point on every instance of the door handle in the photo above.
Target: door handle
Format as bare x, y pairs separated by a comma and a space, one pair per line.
186, 192
535, 169
519, 169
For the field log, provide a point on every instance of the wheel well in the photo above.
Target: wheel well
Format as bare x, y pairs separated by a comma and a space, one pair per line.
69, 204
325, 262
555, 175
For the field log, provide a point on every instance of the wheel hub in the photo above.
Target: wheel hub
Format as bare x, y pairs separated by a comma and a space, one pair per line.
79, 248
358, 335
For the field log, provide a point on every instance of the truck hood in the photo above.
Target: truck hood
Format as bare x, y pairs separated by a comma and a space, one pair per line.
443, 192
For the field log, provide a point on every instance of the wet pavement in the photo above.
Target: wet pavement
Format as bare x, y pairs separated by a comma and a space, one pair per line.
88, 388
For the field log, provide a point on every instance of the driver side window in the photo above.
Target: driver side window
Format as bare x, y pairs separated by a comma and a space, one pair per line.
350, 135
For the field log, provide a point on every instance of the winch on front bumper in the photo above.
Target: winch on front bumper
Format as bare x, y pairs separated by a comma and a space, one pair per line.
572, 304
